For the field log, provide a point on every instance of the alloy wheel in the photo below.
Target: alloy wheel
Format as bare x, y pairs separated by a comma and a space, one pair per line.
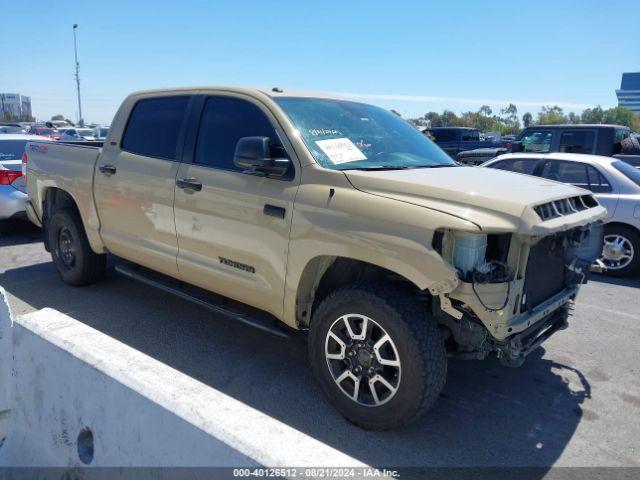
617, 251
363, 360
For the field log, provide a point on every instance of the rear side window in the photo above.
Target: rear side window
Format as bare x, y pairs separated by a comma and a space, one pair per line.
518, 165
578, 174
224, 122
470, 136
579, 141
537, 141
154, 127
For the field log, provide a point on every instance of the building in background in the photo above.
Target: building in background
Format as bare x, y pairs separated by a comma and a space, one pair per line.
15, 107
629, 93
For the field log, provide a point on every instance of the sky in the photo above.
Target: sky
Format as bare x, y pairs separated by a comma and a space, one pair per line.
412, 56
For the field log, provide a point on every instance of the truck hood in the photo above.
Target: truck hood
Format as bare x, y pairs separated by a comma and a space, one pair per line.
491, 199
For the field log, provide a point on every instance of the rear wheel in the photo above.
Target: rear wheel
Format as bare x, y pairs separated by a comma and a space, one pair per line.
76, 263
377, 355
621, 250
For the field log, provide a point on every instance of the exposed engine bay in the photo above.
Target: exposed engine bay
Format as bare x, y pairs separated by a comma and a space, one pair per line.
514, 291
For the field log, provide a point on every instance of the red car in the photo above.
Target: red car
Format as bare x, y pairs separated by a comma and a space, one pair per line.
45, 132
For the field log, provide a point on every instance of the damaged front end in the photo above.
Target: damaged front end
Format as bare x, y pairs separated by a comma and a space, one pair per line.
516, 289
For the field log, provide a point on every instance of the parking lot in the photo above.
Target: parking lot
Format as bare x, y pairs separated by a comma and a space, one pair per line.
575, 402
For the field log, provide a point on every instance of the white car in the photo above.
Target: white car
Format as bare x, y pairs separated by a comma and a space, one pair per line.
12, 187
616, 185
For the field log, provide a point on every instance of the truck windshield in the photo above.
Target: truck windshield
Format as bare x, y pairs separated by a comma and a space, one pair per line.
344, 135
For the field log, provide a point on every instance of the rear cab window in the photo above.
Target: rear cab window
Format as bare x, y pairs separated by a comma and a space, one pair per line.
154, 127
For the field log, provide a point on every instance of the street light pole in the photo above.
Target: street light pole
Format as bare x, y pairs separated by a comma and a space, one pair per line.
75, 48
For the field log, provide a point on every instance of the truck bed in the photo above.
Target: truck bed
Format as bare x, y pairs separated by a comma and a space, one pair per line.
66, 165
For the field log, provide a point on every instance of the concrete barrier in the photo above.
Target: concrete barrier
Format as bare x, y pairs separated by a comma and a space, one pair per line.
6, 362
82, 398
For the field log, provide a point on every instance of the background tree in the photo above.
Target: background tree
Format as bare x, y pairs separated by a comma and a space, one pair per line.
527, 119
551, 115
592, 115
620, 116
574, 118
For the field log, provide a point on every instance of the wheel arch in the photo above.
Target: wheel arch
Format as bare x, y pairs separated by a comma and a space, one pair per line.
323, 274
55, 198
622, 224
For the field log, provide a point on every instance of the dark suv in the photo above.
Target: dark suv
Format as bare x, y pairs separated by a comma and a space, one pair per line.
607, 140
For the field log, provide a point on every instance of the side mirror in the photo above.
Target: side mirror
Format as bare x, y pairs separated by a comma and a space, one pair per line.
254, 154
517, 147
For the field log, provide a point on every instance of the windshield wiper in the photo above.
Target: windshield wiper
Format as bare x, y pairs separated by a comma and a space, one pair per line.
444, 165
398, 167
379, 167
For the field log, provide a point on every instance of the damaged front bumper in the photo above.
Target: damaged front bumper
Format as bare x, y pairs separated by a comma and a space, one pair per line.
550, 317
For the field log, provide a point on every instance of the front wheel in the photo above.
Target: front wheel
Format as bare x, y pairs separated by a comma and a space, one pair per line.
621, 250
377, 355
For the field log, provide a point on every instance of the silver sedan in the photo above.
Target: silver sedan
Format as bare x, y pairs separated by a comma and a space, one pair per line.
614, 183
12, 187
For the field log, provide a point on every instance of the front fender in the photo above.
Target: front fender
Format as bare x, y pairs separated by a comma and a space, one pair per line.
357, 225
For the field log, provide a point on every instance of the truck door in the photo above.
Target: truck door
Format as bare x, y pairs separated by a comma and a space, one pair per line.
233, 227
135, 180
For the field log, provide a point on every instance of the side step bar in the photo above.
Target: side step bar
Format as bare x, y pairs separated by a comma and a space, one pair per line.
189, 293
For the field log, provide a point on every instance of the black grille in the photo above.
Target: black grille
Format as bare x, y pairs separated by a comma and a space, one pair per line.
545, 271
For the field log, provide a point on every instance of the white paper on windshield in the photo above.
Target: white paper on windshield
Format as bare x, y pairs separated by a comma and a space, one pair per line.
340, 150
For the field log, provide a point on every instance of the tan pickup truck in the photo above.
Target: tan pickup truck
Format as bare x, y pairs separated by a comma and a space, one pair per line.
324, 215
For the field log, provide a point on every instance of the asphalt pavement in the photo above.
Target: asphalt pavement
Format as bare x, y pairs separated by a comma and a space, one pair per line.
575, 402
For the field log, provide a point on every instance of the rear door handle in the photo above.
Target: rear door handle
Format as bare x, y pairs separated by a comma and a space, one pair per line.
189, 184
107, 169
274, 211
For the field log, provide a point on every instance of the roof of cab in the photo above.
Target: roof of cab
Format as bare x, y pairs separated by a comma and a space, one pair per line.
273, 92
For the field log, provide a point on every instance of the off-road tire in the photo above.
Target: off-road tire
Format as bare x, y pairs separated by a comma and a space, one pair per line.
419, 343
630, 146
634, 238
88, 267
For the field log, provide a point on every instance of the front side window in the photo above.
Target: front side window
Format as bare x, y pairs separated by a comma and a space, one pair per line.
154, 127
442, 136
578, 141
224, 122
537, 141
518, 165
345, 135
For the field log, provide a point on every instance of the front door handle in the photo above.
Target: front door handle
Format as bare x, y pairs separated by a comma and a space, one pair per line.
189, 184
107, 169
274, 211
